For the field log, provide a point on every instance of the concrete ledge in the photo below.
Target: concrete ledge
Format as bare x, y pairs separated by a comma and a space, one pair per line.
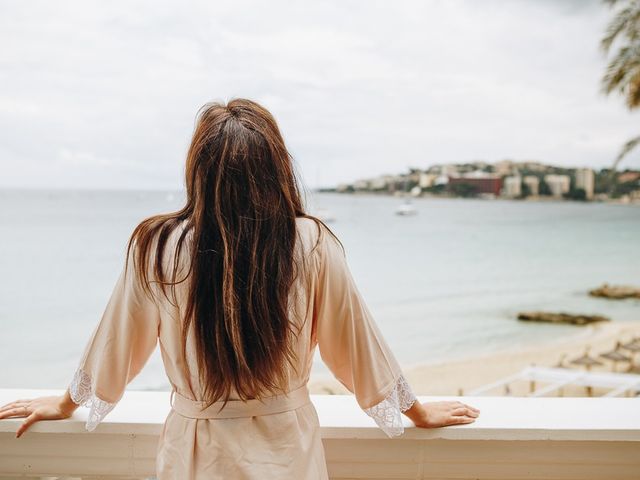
515, 437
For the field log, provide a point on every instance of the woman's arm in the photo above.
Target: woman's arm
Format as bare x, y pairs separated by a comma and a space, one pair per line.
354, 349
119, 347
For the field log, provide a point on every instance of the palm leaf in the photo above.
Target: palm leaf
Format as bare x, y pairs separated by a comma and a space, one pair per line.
633, 91
625, 22
626, 149
621, 22
622, 70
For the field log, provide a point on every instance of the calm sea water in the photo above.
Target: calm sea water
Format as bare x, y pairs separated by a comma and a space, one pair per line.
445, 283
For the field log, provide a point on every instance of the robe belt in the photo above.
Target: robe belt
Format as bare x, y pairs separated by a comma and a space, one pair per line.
237, 408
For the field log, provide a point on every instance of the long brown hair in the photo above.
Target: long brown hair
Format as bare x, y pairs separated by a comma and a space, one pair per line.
242, 200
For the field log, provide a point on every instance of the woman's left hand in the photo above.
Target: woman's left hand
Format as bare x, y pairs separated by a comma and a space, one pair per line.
42, 408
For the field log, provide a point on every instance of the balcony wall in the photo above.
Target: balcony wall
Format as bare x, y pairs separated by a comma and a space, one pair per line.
514, 438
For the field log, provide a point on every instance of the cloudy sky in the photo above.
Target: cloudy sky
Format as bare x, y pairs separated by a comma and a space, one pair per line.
98, 94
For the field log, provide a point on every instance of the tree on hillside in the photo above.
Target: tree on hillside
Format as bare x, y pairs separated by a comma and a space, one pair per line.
623, 71
465, 190
543, 187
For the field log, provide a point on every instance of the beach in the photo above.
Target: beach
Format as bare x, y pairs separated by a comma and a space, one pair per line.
466, 373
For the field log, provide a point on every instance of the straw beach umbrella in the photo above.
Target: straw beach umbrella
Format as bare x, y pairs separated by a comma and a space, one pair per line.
632, 346
616, 356
587, 361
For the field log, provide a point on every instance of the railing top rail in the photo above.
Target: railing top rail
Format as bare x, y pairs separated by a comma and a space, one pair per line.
501, 418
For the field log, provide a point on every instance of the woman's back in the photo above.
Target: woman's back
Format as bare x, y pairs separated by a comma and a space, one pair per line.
284, 444
183, 372
268, 438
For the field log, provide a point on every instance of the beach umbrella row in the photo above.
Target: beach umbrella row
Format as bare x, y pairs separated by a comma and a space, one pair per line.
616, 355
632, 346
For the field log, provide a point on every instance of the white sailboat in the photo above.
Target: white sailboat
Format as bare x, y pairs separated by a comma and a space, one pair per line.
406, 208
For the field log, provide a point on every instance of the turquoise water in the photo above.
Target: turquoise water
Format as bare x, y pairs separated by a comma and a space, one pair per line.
445, 283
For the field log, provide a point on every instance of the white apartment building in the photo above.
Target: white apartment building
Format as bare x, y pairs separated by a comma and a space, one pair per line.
585, 179
441, 180
378, 183
449, 170
427, 180
558, 184
533, 183
512, 186
361, 184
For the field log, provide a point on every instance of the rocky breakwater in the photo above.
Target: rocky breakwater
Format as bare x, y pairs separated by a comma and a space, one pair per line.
567, 318
615, 292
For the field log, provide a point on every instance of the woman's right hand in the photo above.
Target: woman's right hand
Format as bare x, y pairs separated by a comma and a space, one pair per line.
443, 414
37, 409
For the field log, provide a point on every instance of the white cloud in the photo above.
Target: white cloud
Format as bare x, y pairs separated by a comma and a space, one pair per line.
359, 88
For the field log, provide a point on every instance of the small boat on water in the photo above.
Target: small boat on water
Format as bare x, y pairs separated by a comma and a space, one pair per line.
406, 208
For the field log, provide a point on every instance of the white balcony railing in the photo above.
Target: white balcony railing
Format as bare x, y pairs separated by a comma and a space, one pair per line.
514, 438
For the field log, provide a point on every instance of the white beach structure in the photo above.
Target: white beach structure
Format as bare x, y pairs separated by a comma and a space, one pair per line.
554, 379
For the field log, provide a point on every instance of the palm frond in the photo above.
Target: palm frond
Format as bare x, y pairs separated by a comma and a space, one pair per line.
625, 22
622, 70
620, 23
626, 149
633, 92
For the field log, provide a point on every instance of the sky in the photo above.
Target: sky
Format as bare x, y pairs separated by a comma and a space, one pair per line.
98, 94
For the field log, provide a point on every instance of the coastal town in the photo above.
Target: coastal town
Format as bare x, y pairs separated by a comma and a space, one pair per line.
509, 179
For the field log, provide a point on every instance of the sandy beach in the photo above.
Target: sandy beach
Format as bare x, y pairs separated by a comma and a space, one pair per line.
465, 374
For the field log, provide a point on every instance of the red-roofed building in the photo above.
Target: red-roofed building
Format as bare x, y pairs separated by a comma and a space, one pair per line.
491, 184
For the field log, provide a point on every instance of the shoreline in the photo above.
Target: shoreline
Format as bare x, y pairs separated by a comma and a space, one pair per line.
531, 199
448, 377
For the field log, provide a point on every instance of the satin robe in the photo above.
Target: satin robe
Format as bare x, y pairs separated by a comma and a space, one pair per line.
332, 316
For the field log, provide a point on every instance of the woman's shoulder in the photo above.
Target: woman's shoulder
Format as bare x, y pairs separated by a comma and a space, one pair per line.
316, 235
310, 228
160, 244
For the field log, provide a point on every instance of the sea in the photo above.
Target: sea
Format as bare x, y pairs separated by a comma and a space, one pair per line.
445, 283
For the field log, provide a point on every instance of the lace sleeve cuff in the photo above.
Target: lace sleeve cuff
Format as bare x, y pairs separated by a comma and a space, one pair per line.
387, 413
82, 392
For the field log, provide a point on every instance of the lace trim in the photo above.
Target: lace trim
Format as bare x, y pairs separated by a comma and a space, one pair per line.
387, 413
82, 393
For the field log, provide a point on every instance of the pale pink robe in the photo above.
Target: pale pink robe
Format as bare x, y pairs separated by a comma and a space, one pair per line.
276, 445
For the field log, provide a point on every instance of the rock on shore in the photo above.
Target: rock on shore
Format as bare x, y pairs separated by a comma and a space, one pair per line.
616, 292
572, 319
